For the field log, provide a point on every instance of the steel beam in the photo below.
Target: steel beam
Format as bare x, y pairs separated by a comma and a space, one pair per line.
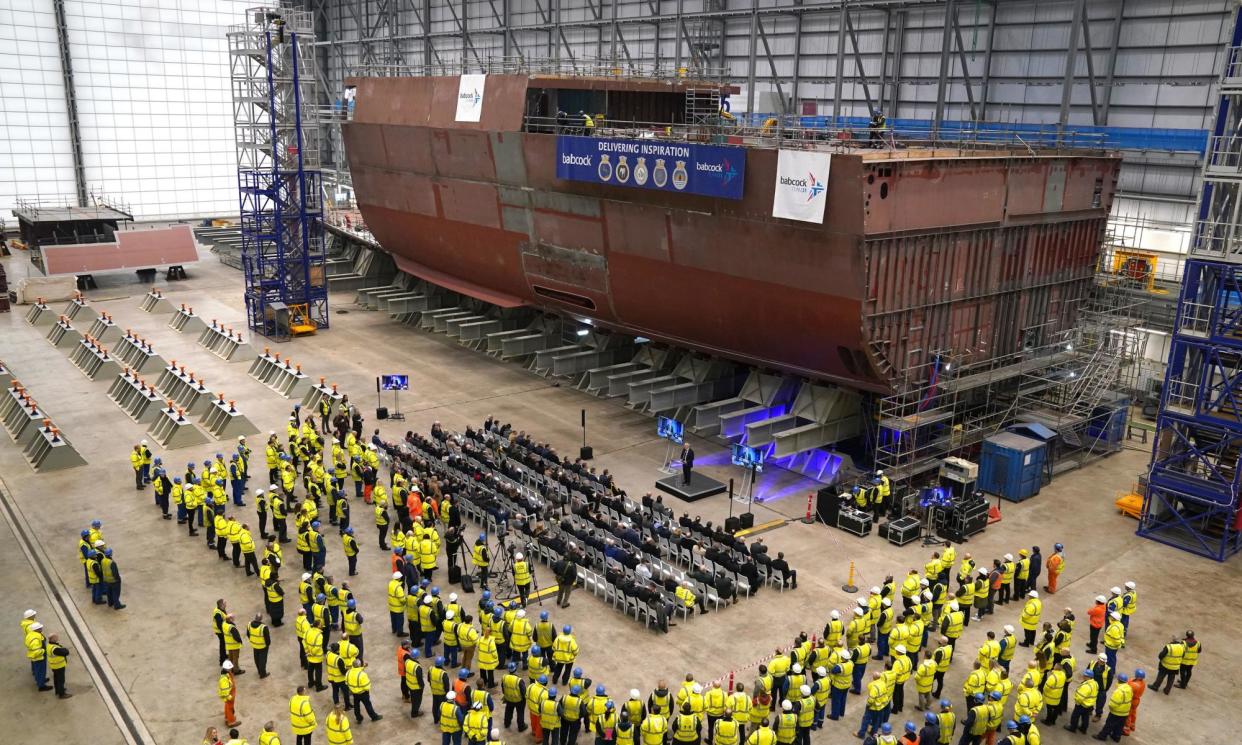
797, 63
899, 44
1107, 100
71, 102
836, 98
961, 58
858, 65
1086, 43
986, 73
750, 66
942, 81
786, 104
1071, 62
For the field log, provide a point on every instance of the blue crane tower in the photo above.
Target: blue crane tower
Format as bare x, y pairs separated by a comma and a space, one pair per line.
1191, 499
278, 178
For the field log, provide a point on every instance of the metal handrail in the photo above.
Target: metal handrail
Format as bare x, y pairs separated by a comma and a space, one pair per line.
789, 132
510, 65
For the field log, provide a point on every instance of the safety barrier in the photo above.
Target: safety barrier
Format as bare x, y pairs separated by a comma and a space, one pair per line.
42, 444
184, 321
74, 307
171, 429
225, 422
310, 402
104, 329
40, 314
155, 302
61, 334
135, 397
224, 342
183, 389
93, 360
137, 352
285, 378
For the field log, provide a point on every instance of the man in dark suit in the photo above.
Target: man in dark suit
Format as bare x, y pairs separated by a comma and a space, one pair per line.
687, 463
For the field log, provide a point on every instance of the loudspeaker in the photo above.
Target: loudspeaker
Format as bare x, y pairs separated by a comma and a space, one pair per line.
733, 525
747, 520
587, 452
827, 505
381, 412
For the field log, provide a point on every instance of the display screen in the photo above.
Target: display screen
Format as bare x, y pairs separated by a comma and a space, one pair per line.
748, 457
395, 382
670, 429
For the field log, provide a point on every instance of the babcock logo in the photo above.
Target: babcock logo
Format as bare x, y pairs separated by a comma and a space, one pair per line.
472, 96
570, 159
723, 170
809, 185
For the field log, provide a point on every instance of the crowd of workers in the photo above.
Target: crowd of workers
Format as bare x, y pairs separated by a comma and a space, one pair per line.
474, 659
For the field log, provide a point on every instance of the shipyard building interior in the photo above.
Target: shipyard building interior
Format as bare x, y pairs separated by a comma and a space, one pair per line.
656, 372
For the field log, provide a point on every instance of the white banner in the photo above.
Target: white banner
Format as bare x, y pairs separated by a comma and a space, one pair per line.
470, 98
801, 185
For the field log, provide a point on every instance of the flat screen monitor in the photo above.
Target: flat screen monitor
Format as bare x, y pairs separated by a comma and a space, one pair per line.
748, 457
670, 429
395, 382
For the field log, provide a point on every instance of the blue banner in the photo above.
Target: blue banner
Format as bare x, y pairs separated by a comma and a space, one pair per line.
708, 170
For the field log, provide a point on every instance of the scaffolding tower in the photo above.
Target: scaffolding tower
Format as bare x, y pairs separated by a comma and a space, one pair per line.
1191, 496
278, 177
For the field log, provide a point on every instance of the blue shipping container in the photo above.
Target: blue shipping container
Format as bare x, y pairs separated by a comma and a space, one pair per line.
1011, 466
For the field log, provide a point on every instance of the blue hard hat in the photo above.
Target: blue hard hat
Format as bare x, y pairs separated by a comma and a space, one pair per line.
349, 530
85, 533
945, 703
1121, 677
542, 680
351, 603
463, 673
321, 596
207, 463
929, 717
487, 595
236, 456
577, 672
398, 550
609, 705
497, 614
1140, 673
1088, 672
599, 690
552, 692
176, 479
96, 524
1059, 547
512, 666
220, 456
439, 661
1024, 719
996, 695
534, 648
435, 590
575, 689
978, 698
1011, 724
423, 583
219, 482
158, 460
886, 728
543, 615
414, 652
315, 524
482, 536
108, 552
566, 629
910, 727
190, 464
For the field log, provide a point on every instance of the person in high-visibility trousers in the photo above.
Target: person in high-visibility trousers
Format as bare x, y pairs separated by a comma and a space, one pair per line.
226, 688
1055, 565
337, 726
1139, 685
302, 716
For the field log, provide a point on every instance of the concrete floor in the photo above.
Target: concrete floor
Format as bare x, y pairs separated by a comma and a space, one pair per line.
163, 652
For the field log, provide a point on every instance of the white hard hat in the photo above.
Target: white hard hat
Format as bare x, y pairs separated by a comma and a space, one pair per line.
426, 600
452, 597
36, 626
1008, 629
900, 649
30, 613
450, 695
1033, 594
875, 591
144, 442
1101, 599
697, 688
927, 594
886, 602
846, 654
241, 438
1131, 585
517, 556
259, 490
634, 693
450, 615
805, 690
862, 602
820, 671
1103, 656
954, 606
1008, 557
306, 576
879, 473
836, 614
227, 665
797, 668
1115, 616
786, 705
858, 612
98, 543
924, 583
396, 575
521, 613
1116, 591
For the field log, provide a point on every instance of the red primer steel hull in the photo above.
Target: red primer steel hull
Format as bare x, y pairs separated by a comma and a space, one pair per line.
919, 251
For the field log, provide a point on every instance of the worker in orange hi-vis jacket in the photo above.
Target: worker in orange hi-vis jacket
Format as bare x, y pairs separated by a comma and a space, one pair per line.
1055, 565
1138, 684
